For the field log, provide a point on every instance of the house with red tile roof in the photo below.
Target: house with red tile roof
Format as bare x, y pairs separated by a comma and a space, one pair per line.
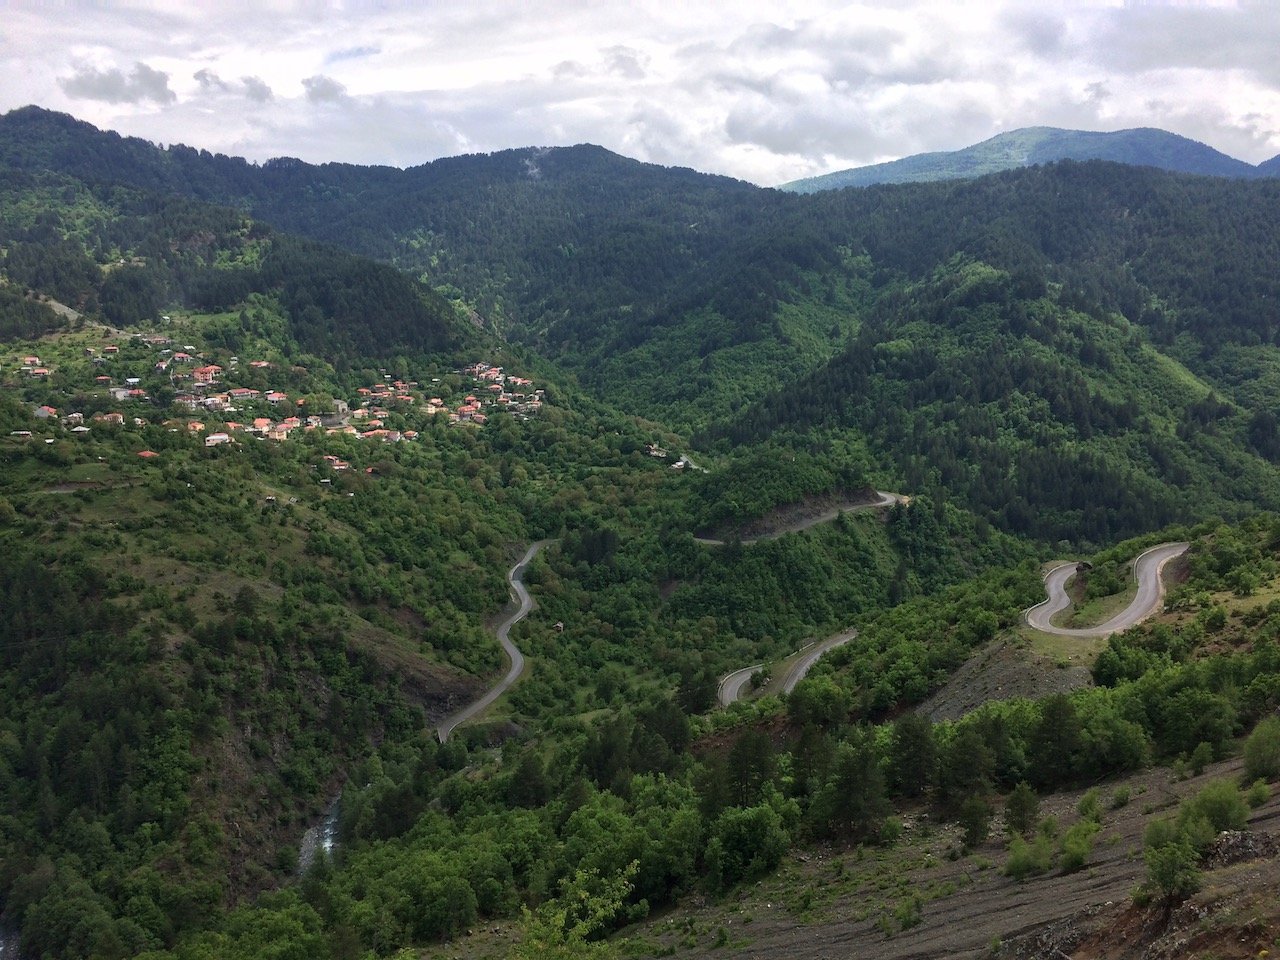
207, 374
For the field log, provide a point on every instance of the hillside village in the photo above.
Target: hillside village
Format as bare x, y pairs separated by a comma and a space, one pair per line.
120, 380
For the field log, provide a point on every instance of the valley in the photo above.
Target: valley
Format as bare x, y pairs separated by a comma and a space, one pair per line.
430, 515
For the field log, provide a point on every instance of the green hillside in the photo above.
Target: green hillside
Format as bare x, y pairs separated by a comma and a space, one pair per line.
1029, 146
228, 598
1047, 420
273, 435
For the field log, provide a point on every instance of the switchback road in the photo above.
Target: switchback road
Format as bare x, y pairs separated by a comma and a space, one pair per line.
731, 685
1146, 571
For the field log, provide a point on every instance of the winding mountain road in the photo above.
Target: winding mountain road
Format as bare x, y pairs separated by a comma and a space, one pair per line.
731, 684
815, 653
730, 688
883, 500
1147, 569
446, 726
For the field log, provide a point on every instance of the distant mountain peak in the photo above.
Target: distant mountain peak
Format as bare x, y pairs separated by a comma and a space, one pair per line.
1141, 146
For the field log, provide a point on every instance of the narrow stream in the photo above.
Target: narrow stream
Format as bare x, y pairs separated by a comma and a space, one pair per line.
320, 838
10, 940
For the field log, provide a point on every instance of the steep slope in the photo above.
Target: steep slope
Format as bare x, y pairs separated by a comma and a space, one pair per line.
130, 254
688, 296
1048, 421
1143, 147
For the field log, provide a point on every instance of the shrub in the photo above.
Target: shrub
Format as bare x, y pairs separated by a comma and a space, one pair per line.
1220, 804
1090, 806
1201, 757
1076, 845
1257, 794
1027, 859
1262, 751
1021, 809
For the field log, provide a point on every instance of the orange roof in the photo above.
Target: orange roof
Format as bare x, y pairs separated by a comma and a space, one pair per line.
147, 454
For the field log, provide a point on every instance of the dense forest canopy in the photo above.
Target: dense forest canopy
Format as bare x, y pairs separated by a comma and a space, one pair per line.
232, 603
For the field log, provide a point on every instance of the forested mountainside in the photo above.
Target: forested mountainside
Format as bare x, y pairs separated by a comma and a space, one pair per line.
246, 560
1144, 147
128, 255
1048, 420
600, 261
259, 494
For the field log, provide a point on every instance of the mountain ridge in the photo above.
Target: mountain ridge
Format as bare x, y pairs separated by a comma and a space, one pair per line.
1028, 146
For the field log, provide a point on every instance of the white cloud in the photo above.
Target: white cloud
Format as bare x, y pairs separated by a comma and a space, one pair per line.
764, 91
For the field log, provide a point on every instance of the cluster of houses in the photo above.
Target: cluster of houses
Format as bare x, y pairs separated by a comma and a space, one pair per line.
498, 391
201, 390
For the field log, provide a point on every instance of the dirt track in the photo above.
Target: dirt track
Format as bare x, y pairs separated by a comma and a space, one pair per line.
775, 526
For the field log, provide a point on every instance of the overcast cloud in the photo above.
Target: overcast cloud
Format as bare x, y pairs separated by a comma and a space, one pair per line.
766, 92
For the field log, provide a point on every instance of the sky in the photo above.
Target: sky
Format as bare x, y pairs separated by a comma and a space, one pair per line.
762, 91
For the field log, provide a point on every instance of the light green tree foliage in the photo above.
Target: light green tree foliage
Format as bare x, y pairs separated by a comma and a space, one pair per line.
565, 928
1173, 846
1172, 870
1077, 843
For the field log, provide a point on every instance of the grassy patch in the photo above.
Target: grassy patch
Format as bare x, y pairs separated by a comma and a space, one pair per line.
1080, 651
1093, 612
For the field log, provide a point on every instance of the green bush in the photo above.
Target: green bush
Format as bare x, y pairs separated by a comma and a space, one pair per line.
1262, 751
1076, 845
1027, 859
1090, 806
1257, 794
1220, 804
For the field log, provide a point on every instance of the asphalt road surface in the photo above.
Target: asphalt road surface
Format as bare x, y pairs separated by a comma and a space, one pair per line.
730, 688
447, 725
1146, 570
815, 653
731, 685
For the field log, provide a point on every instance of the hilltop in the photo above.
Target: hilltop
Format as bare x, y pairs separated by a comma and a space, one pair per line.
1028, 146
